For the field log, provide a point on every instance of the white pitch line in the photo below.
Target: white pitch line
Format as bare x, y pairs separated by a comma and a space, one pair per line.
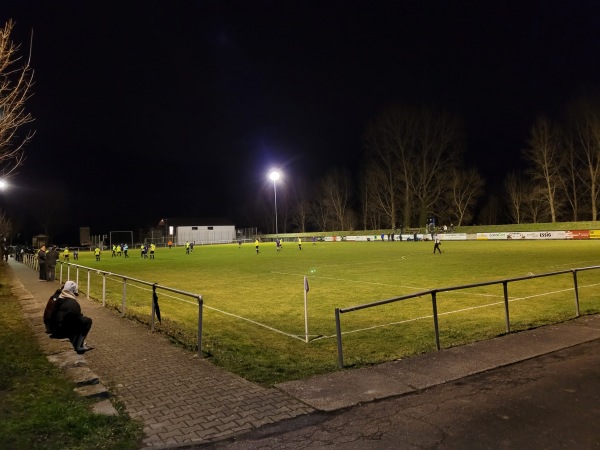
455, 311
415, 288
256, 323
346, 280
301, 338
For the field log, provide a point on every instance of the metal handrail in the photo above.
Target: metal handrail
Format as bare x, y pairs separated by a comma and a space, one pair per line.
433, 293
31, 261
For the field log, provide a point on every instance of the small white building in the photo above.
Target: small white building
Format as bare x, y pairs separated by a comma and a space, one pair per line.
203, 234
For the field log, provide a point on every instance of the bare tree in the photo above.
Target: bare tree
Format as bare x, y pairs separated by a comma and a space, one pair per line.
517, 196
411, 150
490, 213
321, 214
438, 152
543, 153
535, 207
336, 191
300, 205
373, 204
378, 196
570, 178
389, 143
16, 81
465, 189
585, 121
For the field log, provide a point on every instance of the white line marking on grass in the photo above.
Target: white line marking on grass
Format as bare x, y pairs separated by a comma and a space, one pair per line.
301, 338
319, 337
455, 311
256, 323
346, 280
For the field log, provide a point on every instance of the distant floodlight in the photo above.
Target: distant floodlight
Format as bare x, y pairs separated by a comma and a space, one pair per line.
3, 184
275, 175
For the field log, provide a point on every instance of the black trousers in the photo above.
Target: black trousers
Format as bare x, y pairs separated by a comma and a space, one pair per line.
42, 271
74, 328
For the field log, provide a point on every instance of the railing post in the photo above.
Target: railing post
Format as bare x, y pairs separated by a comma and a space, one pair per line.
88, 283
68, 271
435, 319
506, 313
123, 297
61, 274
577, 311
77, 275
338, 333
103, 289
152, 308
200, 305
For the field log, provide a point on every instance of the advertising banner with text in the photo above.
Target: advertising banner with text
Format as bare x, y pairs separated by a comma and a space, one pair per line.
523, 235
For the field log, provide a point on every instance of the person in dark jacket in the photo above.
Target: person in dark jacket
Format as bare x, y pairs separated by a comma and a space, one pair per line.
67, 320
41, 256
51, 258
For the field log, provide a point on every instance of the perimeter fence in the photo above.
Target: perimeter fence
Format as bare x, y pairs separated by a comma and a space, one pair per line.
66, 269
434, 302
141, 301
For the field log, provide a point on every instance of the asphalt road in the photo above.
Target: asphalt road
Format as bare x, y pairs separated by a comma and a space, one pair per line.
547, 402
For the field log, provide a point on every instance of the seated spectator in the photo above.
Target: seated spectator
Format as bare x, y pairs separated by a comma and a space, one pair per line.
67, 320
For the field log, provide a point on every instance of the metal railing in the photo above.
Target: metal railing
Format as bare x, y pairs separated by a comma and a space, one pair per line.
433, 293
32, 261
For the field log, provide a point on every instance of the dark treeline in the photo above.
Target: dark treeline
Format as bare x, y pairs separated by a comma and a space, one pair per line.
414, 169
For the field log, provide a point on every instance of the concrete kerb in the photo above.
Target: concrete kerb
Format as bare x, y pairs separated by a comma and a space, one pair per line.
60, 351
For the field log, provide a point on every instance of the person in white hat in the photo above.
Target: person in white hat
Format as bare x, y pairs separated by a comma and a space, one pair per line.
68, 321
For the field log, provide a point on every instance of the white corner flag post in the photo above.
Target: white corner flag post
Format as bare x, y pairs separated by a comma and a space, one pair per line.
306, 309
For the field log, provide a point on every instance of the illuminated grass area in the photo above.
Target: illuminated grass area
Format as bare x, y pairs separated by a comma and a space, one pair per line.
254, 304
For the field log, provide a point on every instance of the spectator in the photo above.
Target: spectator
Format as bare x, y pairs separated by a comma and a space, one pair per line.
67, 321
52, 257
42, 262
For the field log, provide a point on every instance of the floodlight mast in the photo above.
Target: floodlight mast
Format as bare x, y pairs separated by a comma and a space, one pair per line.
275, 175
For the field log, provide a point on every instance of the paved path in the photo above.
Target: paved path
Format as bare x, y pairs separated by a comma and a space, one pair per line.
549, 402
184, 401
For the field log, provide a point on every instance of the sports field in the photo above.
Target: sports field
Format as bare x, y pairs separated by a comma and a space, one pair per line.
254, 321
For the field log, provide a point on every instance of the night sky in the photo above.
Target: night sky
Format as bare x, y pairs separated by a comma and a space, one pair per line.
147, 109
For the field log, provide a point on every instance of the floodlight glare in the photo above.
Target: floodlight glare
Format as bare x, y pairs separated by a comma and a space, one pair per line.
275, 175
3, 184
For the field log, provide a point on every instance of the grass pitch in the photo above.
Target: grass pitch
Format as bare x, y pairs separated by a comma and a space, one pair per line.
254, 321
